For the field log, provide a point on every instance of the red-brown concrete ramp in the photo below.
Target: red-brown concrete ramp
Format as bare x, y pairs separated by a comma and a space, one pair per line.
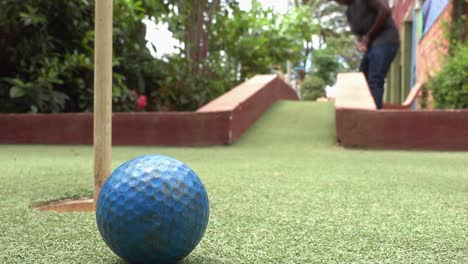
247, 102
360, 125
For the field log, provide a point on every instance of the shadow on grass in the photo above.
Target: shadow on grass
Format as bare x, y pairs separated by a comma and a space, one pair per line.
194, 260
200, 260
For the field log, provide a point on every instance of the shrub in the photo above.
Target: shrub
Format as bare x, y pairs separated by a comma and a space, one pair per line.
312, 88
450, 86
46, 54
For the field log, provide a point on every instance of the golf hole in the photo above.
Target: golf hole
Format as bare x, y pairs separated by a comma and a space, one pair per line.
67, 205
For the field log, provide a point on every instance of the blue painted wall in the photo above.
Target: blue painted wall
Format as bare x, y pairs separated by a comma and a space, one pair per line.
432, 9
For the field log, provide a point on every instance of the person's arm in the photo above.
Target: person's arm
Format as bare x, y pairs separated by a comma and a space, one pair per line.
383, 12
361, 43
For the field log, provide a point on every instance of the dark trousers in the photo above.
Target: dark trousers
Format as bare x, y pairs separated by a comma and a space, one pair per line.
375, 64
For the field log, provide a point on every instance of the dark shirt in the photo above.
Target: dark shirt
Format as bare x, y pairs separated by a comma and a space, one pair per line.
361, 16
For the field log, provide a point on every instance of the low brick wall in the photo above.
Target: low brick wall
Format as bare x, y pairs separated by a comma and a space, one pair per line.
402, 129
127, 129
218, 123
360, 125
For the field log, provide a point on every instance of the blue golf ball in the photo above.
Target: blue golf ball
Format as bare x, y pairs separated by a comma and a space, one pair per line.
152, 209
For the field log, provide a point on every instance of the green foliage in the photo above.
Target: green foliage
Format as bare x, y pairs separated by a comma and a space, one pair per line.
343, 47
312, 88
450, 85
256, 41
39, 93
179, 89
331, 30
39, 58
241, 44
47, 51
325, 65
455, 31
298, 27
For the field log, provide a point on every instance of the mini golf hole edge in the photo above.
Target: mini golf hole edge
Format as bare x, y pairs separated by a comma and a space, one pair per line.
84, 204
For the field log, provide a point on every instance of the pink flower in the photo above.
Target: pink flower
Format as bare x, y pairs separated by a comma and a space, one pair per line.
142, 101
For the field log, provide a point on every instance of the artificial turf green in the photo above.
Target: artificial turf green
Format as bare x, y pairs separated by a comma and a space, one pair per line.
285, 193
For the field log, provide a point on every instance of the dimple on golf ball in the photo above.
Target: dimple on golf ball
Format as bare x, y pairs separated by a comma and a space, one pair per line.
152, 209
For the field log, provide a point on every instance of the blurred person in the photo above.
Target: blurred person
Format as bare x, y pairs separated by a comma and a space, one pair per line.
377, 36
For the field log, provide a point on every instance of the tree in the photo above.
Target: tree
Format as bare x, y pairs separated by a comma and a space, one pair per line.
332, 32
300, 25
196, 18
326, 65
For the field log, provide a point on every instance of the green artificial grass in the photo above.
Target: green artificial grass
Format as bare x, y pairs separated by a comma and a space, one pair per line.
285, 193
